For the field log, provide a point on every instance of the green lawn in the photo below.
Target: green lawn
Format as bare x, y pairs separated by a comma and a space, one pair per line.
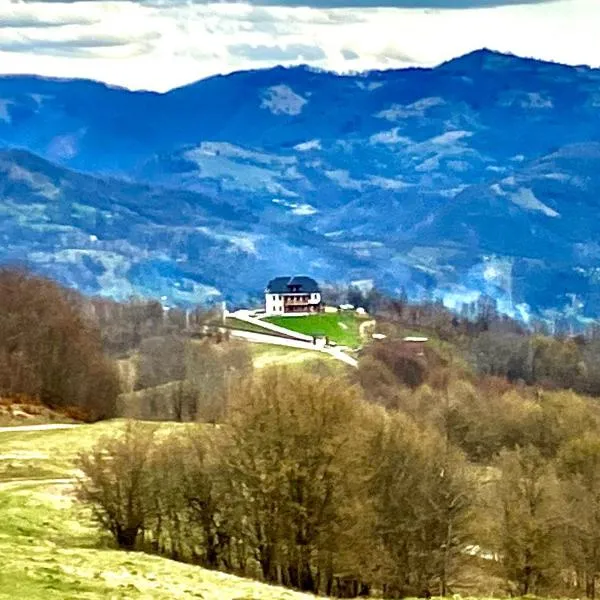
342, 328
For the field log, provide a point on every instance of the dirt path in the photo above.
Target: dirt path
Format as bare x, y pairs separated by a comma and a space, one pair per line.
48, 427
10, 484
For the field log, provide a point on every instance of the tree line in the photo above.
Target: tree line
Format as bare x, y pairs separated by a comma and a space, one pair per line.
50, 351
63, 349
303, 484
316, 481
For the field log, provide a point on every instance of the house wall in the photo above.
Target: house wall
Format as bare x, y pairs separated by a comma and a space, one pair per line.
275, 304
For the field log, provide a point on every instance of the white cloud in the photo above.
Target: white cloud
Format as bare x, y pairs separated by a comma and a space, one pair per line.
159, 45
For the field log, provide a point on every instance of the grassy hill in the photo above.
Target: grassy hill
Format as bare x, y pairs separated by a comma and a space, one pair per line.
51, 550
267, 355
342, 328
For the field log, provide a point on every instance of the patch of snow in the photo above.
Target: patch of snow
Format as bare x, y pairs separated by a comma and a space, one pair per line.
525, 198
282, 100
310, 145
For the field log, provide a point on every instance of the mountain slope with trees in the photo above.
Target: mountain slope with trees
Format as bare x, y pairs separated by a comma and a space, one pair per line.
477, 176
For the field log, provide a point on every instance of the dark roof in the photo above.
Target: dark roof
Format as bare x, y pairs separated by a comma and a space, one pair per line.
282, 285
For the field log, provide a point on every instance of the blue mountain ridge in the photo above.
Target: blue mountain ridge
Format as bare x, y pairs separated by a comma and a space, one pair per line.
480, 175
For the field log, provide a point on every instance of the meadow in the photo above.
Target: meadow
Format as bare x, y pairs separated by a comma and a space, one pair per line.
51, 548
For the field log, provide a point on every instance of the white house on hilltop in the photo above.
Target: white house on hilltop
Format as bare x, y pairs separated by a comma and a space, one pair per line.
296, 295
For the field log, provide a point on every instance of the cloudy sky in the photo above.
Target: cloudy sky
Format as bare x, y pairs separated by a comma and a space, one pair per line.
160, 44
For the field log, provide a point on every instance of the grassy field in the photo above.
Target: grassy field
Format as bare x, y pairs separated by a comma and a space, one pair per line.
266, 355
51, 549
342, 328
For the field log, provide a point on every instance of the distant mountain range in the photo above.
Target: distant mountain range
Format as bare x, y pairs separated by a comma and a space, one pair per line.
480, 175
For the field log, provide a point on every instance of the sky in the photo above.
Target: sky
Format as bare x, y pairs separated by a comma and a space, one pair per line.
162, 44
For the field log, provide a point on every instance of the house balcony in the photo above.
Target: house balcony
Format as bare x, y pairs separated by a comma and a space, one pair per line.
304, 301
301, 308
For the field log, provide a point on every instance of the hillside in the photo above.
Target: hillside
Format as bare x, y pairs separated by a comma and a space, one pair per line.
117, 238
50, 549
466, 178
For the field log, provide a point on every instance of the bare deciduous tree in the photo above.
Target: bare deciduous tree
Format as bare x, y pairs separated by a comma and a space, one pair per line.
117, 481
